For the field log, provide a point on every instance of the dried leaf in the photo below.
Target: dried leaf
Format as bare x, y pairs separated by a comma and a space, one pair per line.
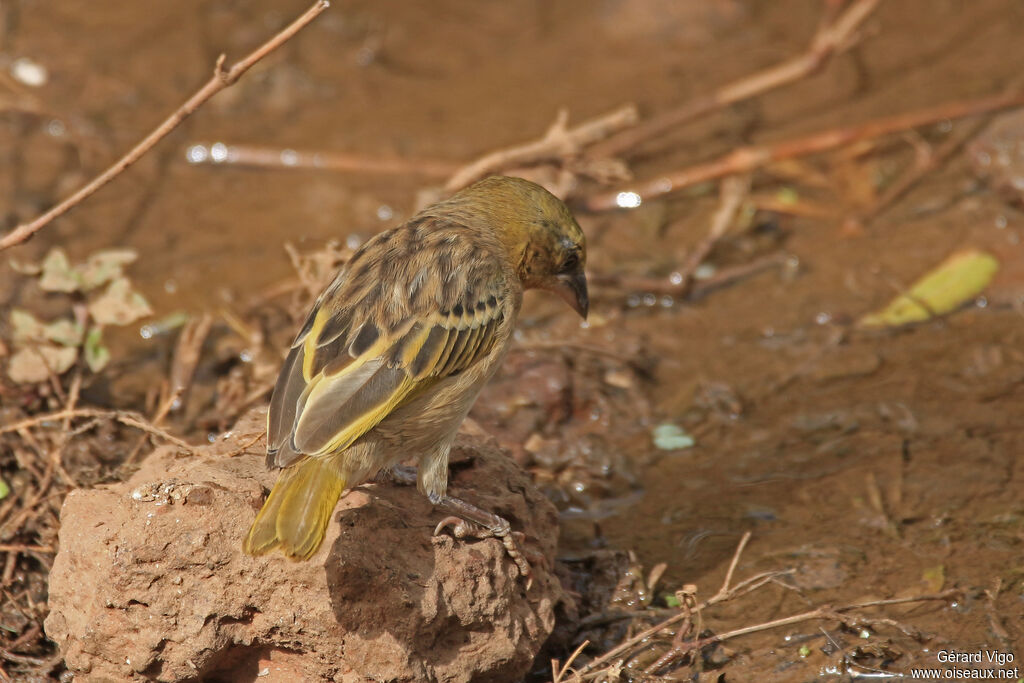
104, 266
119, 304
57, 273
65, 332
34, 364
32, 269
96, 354
25, 327
952, 283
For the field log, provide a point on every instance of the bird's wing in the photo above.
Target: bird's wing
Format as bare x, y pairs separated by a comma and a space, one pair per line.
411, 308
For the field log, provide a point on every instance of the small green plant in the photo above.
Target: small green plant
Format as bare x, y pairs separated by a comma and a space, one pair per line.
99, 295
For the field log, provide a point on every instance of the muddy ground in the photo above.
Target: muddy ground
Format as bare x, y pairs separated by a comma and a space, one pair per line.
875, 464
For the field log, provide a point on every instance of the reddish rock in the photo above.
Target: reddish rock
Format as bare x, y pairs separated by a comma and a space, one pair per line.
151, 583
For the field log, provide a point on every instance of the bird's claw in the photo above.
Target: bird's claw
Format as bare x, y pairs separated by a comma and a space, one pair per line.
461, 528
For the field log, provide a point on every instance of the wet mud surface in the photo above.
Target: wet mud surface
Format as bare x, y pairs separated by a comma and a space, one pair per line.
875, 464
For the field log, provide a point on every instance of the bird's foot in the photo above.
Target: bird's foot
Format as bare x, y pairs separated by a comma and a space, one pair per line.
469, 521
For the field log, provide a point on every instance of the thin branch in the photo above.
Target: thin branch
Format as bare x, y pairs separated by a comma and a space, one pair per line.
735, 561
723, 594
220, 80
733, 191
832, 37
125, 417
558, 142
748, 159
819, 613
934, 160
220, 154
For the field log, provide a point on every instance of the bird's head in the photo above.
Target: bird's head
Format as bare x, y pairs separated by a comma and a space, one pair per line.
541, 236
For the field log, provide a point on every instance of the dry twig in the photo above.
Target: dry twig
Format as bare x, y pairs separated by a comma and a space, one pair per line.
614, 658
733, 191
125, 417
834, 35
221, 79
559, 142
933, 160
748, 159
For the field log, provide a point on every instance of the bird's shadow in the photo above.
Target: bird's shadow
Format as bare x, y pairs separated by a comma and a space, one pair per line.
381, 567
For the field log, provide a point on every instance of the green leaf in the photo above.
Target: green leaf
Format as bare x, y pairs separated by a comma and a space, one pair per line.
670, 437
5, 489
119, 304
945, 288
65, 332
672, 601
96, 354
57, 273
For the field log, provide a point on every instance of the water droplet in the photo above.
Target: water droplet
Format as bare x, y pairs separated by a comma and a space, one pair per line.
29, 72
667, 301
823, 318
650, 299
945, 126
663, 186
385, 212
676, 278
218, 152
171, 286
289, 157
245, 356
981, 302
633, 300
628, 200
353, 241
1001, 222
55, 128
197, 154
147, 331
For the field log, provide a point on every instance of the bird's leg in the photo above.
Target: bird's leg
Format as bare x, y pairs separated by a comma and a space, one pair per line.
468, 520
401, 474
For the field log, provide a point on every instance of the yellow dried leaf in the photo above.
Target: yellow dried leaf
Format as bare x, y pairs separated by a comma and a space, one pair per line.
947, 287
934, 578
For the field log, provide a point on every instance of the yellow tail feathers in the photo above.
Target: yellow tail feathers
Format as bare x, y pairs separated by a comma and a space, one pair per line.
296, 513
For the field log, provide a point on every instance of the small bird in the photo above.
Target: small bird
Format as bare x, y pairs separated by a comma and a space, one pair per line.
395, 350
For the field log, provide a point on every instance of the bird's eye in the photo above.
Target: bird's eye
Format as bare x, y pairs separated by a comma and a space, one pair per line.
571, 261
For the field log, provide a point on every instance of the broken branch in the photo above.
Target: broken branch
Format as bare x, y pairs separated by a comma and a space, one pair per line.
750, 158
221, 79
831, 38
558, 142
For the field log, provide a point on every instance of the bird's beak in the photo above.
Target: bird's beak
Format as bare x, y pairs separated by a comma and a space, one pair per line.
572, 287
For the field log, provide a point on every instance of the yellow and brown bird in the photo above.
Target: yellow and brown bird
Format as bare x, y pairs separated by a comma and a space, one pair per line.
396, 349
